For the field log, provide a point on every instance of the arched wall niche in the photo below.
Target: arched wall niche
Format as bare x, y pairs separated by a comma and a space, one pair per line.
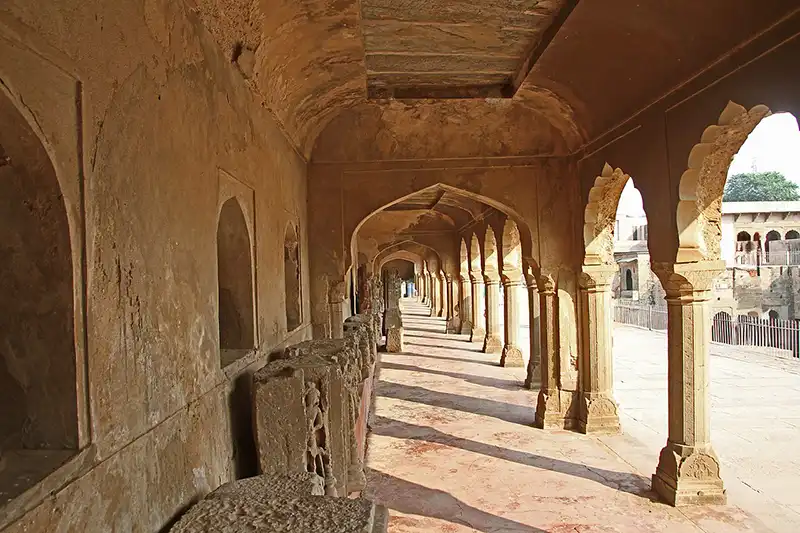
292, 278
39, 348
236, 299
35, 73
703, 182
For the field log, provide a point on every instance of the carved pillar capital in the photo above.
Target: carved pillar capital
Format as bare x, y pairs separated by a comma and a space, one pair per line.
547, 285
686, 279
597, 277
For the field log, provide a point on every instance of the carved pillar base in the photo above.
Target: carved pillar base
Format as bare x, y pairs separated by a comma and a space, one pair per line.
466, 327
492, 344
687, 475
512, 357
555, 410
453, 326
478, 335
599, 415
534, 378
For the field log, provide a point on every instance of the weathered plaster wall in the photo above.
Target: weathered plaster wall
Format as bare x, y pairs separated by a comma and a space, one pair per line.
160, 111
653, 146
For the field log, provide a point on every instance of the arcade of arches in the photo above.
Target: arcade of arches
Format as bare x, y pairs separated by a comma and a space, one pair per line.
210, 209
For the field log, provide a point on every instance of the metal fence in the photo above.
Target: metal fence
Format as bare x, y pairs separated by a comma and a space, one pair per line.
640, 314
779, 338
776, 337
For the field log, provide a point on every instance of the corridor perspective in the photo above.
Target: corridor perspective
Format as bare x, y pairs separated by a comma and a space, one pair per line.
211, 212
453, 449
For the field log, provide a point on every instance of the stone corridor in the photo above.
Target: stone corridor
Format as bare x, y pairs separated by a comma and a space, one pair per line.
453, 450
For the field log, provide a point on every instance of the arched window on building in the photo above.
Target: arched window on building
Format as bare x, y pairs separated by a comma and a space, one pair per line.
792, 235
235, 278
773, 315
628, 280
291, 279
771, 236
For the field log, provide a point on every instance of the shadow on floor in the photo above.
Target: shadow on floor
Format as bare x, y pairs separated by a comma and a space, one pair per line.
414, 499
505, 384
622, 481
443, 347
516, 414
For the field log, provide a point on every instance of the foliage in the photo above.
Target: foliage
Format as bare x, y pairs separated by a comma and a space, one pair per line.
760, 187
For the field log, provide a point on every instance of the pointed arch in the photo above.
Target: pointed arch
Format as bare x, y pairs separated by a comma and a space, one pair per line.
526, 240
701, 187
512, 251
600, 215
475, 268
464, 259
491, 267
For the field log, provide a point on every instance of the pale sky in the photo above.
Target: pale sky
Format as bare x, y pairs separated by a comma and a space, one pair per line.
773, 145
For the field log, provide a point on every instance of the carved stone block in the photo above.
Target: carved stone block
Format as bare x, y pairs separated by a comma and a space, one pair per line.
291, 412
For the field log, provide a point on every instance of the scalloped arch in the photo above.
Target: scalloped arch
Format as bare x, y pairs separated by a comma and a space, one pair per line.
600, 215
701, 187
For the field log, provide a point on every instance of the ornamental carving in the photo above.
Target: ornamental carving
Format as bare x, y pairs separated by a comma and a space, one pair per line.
600, 215
700, 194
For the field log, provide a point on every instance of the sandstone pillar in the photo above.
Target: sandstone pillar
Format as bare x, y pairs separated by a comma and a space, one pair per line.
450, 292
598, 410
549, 412
335, 301
478, 309
442, 309
688, 467
512, 354
533, 380
492, 343
465, 292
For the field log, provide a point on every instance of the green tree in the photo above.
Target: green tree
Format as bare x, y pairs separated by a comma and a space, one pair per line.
760, 187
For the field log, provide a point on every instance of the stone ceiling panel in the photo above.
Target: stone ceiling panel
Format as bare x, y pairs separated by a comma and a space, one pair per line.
452, 48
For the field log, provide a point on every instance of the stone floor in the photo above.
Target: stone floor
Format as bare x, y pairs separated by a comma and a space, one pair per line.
453, 450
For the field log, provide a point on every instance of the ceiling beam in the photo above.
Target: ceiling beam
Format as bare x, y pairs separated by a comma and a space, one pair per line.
539, 48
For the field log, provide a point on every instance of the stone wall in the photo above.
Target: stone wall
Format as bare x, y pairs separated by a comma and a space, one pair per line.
142, 117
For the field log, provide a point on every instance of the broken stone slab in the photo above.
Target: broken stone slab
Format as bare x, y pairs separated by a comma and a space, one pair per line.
271, 487
300, 514
291, 404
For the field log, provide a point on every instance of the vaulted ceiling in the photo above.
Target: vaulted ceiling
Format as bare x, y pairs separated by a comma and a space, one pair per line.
571, 69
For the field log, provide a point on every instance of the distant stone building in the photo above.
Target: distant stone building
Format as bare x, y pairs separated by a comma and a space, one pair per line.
761, 233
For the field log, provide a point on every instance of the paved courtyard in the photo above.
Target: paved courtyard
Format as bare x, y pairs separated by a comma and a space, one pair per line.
453, 450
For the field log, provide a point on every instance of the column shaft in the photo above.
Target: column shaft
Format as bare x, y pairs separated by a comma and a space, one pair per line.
598, 413
533, 380
478, 310
688, 469
465, 292
512, 354
549, 412
492, 342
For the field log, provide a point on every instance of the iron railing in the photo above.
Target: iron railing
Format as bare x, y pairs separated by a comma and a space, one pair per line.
640, 314
775, 337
